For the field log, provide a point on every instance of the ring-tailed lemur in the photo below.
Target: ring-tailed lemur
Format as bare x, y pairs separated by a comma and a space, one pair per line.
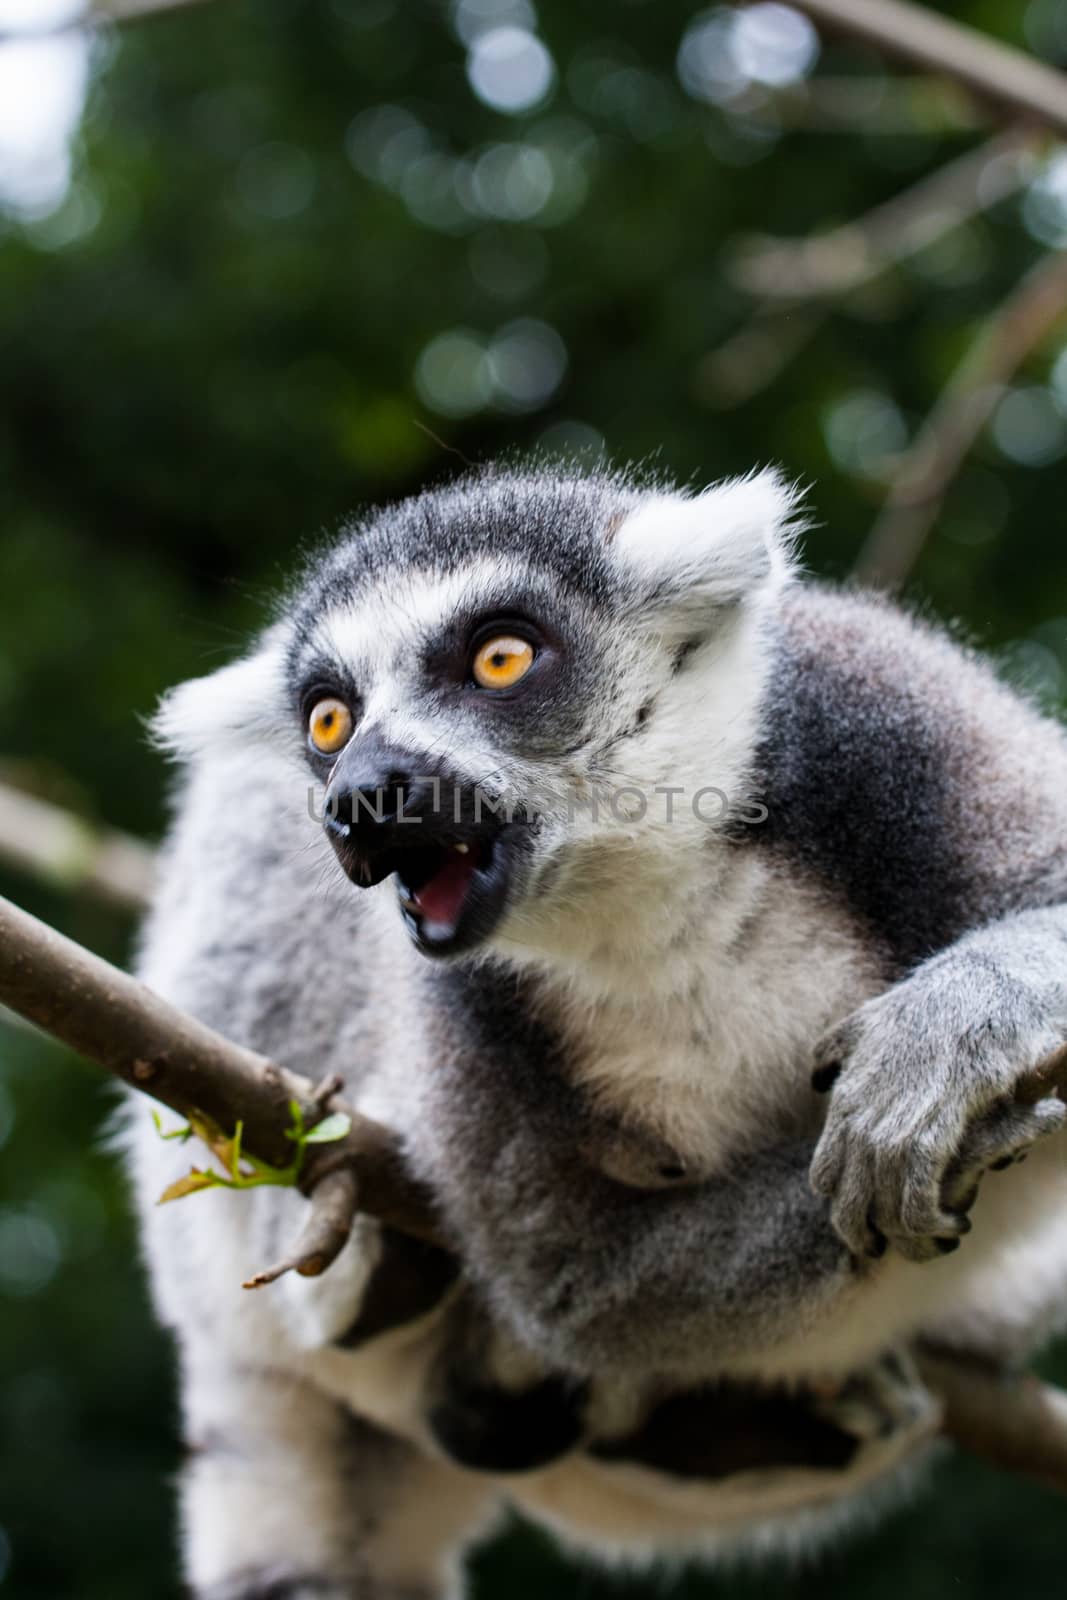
630, 830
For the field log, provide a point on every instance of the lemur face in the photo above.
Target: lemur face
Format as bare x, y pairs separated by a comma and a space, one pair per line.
467, 668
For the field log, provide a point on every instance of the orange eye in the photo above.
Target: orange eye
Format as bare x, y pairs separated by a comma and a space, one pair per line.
501, 662
329, 726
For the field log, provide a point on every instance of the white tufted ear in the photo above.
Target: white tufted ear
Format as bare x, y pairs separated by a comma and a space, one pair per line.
243, 703
713, 548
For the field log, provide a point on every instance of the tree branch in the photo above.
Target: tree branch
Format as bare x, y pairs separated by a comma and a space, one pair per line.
61, 848
97, 14
874, 105
120, 1024
1007, 78
117, 1022
1015, 1422
832, 264
129, 10
796, 280
922, 475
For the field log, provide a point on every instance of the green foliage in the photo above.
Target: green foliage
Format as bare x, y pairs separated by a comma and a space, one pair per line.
240, 1168
228, 339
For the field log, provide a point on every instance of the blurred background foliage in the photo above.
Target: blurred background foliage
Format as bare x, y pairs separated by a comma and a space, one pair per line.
264, 261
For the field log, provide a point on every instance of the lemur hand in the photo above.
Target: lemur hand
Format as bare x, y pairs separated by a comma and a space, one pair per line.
948, 1074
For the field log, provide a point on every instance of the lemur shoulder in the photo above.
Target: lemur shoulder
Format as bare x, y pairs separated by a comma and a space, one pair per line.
574, 831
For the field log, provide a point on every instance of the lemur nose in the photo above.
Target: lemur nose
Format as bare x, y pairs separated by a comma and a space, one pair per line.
369, 787
369, 804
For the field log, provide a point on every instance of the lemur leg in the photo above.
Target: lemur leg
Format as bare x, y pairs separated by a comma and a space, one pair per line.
287, 1496
946, 1075
708, 1464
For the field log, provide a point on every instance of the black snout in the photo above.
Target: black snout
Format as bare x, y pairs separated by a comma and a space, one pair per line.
373, 787
391, 812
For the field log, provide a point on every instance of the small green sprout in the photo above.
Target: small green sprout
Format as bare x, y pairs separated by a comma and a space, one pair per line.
242, 1169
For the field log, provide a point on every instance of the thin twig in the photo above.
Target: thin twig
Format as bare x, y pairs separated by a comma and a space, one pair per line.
997, 73
334, 1208
922, 475
796, 279
832, 264
64, 850
755, 354
873, 105
129, 10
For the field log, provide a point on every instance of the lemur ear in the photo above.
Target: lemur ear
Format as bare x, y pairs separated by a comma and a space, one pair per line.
240, 704
712, 549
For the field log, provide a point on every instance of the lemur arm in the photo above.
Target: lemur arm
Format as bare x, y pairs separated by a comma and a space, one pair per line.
950, 1072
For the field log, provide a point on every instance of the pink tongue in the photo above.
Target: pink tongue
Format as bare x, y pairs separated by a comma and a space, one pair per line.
441, 900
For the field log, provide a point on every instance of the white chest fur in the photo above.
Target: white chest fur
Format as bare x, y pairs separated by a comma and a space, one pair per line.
705, 1037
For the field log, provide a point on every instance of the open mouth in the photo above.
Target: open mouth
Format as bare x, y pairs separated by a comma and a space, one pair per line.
451, 893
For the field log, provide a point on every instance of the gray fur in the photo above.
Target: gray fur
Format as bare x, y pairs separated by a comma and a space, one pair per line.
609, 1089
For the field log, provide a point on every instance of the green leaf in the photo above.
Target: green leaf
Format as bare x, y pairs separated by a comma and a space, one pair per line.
183, 1133
295, 1131
329, 1129
192, 1183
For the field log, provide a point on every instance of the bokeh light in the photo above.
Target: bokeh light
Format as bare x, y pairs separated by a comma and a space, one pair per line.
518, 369
510, 69
30, 1252
1029, 427
773, 44
275, 181
512, 181
724, 52
1045, 23
473, 17
527, 362
1045, 204
1058, 381
43, 84
383, 141
452, 374
862, 429
1034, 668
573, 440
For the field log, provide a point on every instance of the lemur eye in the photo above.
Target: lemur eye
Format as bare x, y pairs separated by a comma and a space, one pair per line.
329, 726
500, 662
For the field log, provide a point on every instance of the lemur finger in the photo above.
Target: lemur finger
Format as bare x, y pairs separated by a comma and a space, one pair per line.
960, 1190
1048, 1078
1002, 1135
923, 1214
831, 1052
942, 1238
850, 1210
929, 1247
1000, 1139
907, 1205
827, 1162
